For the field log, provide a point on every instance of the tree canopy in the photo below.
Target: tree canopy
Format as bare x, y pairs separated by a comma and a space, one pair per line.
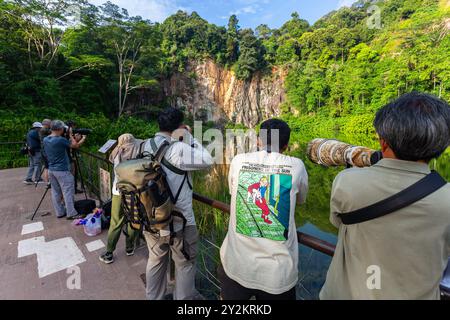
74, 56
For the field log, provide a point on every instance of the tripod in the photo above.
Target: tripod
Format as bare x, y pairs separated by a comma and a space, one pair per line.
48, 187
78, 170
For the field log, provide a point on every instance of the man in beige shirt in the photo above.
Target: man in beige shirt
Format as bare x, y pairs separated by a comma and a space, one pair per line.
401, 255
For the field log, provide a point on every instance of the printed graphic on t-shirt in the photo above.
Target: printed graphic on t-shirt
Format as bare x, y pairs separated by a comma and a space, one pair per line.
263, 202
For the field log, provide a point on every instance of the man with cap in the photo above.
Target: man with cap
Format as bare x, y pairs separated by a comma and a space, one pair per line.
34, 154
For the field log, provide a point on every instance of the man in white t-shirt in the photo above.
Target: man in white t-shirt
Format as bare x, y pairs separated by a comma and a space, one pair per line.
260, 252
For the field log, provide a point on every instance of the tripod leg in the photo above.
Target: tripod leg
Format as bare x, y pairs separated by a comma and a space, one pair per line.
78, 169
40, 176
40, 202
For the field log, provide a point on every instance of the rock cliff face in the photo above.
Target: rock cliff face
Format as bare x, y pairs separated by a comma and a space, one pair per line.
213, 93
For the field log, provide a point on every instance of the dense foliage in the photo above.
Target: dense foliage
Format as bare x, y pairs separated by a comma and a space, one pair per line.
346, 68
112, 63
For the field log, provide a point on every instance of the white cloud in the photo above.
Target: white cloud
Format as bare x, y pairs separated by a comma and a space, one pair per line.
155, 10
345, 3
252, 9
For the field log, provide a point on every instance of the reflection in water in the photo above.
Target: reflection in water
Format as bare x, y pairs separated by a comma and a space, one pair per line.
311, 218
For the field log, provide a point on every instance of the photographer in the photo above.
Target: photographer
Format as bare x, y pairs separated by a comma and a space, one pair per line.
57, 148
34, 153
402, 253
184, 156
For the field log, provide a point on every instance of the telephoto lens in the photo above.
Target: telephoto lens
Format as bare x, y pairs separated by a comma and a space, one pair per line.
82, 131
334, 153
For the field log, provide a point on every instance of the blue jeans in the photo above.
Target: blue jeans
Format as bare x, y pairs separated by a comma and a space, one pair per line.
34, 166
62, 183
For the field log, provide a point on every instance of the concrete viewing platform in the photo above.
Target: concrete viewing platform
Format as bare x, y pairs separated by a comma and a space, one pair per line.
48, 258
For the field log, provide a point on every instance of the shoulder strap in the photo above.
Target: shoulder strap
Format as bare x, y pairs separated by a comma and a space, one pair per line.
141, 151
161, 158
172, 168
159, 154
403, 199
153, 145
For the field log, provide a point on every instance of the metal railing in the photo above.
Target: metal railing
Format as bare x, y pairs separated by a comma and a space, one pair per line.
89, 164
10, 156
303, 238
207, 257
91, 179
90, 175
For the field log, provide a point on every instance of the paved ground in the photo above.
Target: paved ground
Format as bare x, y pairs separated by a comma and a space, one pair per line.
19, 277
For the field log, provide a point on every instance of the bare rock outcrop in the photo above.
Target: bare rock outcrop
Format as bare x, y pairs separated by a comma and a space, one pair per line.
213, 93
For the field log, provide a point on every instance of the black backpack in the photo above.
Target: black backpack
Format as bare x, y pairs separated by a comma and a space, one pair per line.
25, 149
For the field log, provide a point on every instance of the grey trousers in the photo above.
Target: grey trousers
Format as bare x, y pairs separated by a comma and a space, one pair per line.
62, 183
158, 264
34, 166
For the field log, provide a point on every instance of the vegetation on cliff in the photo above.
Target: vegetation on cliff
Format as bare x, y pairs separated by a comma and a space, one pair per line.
113, 63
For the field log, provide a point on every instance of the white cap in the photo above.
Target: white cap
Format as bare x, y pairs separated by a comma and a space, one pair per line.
37, 125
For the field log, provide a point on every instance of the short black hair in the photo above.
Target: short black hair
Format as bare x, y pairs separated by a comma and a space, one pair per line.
170, 119
416, 126
275, 128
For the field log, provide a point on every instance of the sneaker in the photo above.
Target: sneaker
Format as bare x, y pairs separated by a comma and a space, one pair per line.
60, 217
107, 257
40, 181
129, 252
28, 181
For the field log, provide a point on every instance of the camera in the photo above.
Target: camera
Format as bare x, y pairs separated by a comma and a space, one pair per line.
334, 153
81, 131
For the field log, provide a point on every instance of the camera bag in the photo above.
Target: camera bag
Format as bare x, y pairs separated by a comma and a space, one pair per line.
85, 206
106, 216
25, 150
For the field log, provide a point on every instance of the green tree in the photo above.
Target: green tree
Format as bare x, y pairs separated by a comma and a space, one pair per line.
251, 55
232, 52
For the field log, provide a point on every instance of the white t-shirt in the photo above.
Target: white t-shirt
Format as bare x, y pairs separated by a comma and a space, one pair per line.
260, 250
115, 192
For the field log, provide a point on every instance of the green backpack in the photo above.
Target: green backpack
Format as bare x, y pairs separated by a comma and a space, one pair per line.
147, 200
